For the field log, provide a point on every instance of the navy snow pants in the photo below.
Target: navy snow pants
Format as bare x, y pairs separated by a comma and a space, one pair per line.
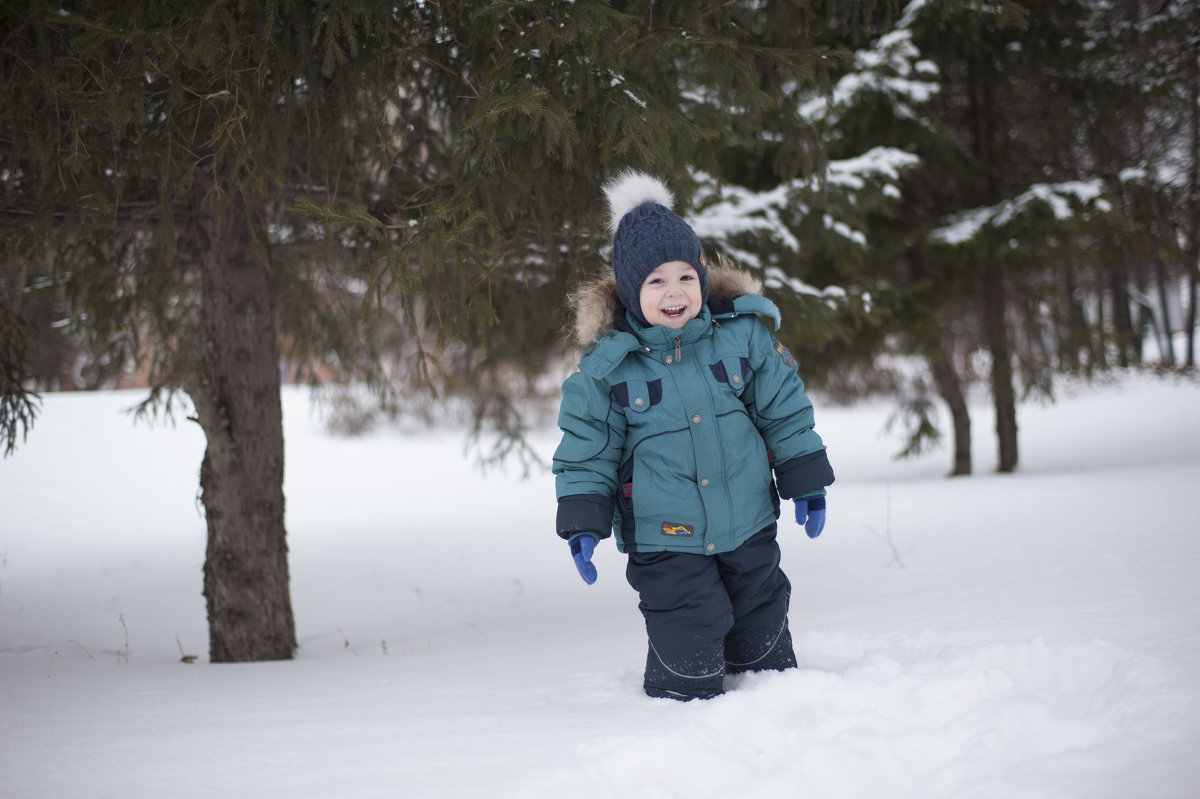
712, 615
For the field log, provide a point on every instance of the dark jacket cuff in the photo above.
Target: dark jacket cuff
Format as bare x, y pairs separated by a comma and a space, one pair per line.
806, 474
585, 513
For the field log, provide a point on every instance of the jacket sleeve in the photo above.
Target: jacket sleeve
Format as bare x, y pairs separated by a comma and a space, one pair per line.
784, 416
586, 461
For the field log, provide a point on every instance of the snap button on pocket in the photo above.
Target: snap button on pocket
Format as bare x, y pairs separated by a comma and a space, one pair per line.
638, 396
732, 372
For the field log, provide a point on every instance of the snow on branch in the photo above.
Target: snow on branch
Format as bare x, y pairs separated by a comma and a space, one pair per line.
892, 67
1169, 173
776, 278
1064, 200
879, 163
730, 211
733, 210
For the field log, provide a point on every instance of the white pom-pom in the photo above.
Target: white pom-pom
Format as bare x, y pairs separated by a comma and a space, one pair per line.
630, 189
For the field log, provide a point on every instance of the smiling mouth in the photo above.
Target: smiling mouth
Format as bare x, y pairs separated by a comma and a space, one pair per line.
674, 312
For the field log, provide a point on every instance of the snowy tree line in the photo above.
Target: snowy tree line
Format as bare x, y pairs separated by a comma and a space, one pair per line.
402, 195
1011, 195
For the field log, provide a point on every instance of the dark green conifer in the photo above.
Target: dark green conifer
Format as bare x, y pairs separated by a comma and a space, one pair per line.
395, 193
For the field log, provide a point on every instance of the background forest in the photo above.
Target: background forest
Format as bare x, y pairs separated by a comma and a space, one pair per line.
213, 197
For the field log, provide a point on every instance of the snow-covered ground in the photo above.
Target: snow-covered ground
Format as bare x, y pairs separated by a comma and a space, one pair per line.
1029, 635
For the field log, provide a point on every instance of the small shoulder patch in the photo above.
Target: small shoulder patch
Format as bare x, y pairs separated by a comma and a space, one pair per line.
788, 360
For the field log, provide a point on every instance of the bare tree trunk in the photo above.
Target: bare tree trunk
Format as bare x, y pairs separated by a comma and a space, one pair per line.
1124, 333
1078, 335
1164, 303
237, 400
1192, 251
18, 406
995, 304
994, 297
949, 387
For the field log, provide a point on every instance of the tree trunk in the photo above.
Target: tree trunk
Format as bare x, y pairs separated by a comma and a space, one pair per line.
1192, 253
18, 406
994, 296
237, 401
1164, 302
1125, 334
949, 387
995, 303
1075, 339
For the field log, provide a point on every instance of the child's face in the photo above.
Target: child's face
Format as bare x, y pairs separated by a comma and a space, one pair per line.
671, 295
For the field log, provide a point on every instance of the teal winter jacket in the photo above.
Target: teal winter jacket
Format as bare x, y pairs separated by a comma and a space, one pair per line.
683, 440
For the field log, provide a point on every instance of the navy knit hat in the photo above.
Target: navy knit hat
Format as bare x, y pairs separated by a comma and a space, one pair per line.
646, 235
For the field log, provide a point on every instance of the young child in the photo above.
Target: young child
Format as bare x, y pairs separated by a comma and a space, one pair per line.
683, 405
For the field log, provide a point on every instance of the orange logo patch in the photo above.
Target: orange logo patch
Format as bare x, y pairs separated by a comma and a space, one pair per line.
669, 528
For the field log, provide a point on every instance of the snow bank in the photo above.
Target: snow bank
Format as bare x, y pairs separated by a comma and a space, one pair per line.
1027, 635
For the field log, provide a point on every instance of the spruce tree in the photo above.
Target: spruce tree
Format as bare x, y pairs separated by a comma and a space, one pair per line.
1021, 208
1056, 131
399, 193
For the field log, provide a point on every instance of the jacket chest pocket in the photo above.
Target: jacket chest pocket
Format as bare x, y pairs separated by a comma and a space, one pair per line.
638, 396
733, 372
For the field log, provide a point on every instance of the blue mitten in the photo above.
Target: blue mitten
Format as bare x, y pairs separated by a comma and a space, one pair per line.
810, 512
582, 547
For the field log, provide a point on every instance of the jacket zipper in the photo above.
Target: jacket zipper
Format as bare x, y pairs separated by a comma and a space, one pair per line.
677, 352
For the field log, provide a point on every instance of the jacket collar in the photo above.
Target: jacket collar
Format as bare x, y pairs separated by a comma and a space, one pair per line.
598, 310
609, 332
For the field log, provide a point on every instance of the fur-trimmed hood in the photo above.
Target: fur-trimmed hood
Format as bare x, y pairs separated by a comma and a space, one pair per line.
595, 303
